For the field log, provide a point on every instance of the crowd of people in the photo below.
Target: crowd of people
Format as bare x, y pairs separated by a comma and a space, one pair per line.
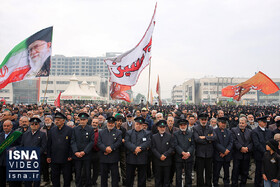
167, 144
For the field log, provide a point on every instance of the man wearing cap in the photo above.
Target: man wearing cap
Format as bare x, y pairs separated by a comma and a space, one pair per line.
137, 142
162, 148
147, 118
82, 142
222, 151
242, 151
34, 138
204, 137
59, 152
184, 146
109, 142
260, 136
129, 124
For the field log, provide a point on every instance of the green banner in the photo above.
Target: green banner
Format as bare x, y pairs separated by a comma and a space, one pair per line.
13, 137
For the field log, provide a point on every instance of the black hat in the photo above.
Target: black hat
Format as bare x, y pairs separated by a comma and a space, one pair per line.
273, 144
146, 122
183, 121
203, 116
83, 115
139, 120
178, 113
223, 119
111, 119
129, 115
161, 123
35, 120
119, 117
59, 115
45, 35
264, 119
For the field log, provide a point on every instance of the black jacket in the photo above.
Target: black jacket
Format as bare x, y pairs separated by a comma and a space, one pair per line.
204, 147
223, 141
134, 139
183, 142
238, 143
113, 139
39, 139
82, 140
271, 166
162, 146
59, 144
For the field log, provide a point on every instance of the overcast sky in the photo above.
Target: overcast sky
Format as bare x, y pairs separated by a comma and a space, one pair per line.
191, 39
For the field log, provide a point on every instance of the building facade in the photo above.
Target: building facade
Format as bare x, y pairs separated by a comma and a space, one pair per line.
209, 91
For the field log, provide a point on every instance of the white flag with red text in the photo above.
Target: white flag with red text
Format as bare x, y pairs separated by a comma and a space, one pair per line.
126, 68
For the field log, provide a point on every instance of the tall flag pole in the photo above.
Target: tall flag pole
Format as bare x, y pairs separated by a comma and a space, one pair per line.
126, 68
29, 59
149, 84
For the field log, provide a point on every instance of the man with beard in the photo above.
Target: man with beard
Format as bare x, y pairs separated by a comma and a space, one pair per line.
274, 127
129, 124
204, 137
23, 124
34, 138
109, 142
59, 153
137, 142
184, 146
251, 122
162, 148
39, 53
260, 136
222, 151
82, 142
242, 151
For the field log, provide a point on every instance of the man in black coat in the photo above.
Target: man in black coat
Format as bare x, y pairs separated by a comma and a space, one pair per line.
260, 136
59, 152
137, 142
204, 137
82, 142
162, 148
242, 151
109, 142
222, 151
34, 138
184, 146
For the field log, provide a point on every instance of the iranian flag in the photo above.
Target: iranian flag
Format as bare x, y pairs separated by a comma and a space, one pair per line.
29, 59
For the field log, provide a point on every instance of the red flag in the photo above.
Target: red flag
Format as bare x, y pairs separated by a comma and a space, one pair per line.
3, 101
57, 101
158, 92
259, 82
117, 91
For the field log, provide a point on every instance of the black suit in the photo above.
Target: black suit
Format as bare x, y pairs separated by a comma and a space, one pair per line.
134, 139
109, 162
204, 153
82, 140
59, 150
223, 142
162, 144
259, 138
183, 142
241, 161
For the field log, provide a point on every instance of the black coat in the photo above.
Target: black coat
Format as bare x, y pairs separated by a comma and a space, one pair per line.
204, 147
39, 139
183, 143
113, 139
260, 138
134, 139
3, 154
59, 144
223, 141
238, 143
271, 166
82, 140
162, 146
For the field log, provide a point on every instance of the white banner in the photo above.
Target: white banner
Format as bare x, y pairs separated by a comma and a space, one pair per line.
126, 68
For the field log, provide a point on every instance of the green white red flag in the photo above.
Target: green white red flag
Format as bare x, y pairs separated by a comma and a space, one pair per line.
29, 59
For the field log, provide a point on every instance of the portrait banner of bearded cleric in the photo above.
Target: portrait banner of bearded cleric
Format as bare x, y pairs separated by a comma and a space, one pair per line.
29, 59
39, 53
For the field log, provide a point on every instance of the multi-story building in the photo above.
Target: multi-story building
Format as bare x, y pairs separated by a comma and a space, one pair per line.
209, 91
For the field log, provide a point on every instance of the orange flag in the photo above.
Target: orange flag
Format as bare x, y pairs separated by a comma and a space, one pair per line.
259, 82
117, 91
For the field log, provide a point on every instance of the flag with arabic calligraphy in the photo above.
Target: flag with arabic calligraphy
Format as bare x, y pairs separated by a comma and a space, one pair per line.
117, 91
127, 67
29, 59
260, 82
